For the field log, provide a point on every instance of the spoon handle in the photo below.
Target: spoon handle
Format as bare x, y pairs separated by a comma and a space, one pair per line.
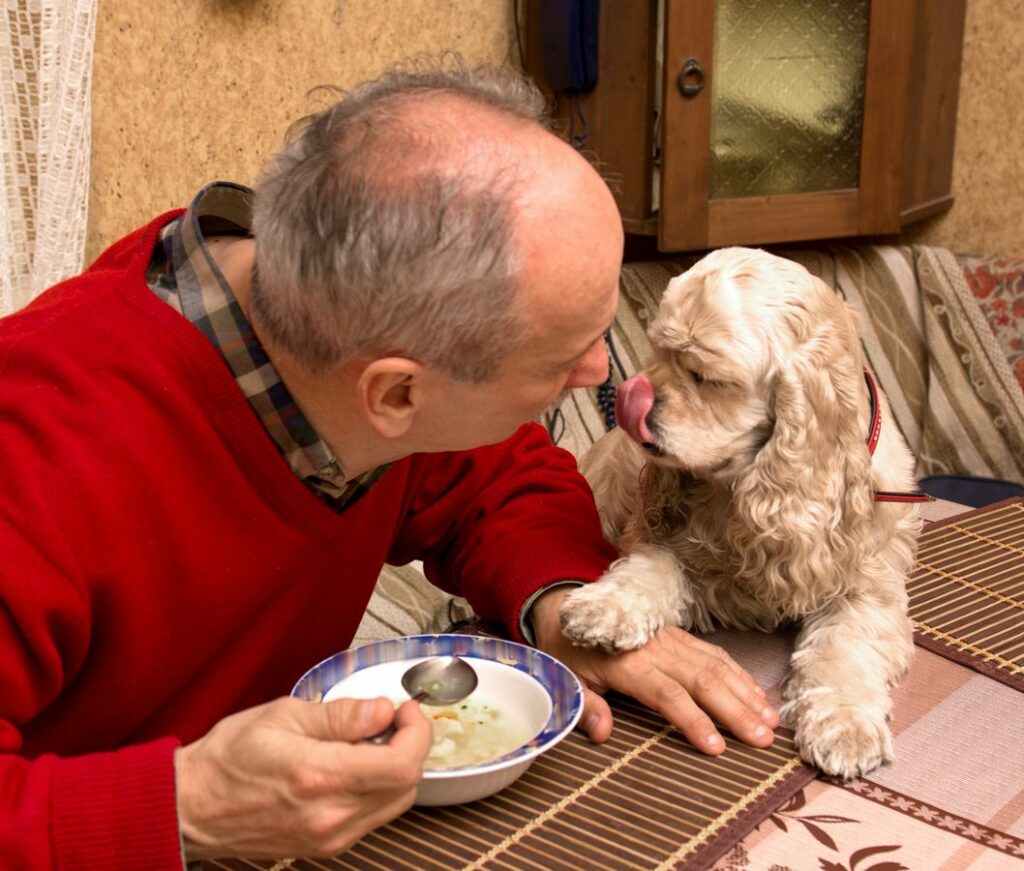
385, 736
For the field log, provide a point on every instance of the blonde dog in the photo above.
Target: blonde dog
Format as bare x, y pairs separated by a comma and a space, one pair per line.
756, 479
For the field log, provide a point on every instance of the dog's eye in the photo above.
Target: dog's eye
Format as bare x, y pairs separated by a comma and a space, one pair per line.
697, 377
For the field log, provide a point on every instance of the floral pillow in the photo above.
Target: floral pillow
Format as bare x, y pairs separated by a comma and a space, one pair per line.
998, 284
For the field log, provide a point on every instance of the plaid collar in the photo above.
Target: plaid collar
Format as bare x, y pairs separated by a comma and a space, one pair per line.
185, 276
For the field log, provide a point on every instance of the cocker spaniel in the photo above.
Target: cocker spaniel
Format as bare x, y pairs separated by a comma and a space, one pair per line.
756, 479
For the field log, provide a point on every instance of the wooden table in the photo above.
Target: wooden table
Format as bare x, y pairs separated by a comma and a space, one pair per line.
954, 798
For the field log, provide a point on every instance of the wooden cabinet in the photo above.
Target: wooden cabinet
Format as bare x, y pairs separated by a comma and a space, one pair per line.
723, 122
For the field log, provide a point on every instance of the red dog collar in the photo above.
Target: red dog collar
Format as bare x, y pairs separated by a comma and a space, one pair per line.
874, 430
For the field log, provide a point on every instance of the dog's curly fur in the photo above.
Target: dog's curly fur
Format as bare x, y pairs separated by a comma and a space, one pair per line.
754, 505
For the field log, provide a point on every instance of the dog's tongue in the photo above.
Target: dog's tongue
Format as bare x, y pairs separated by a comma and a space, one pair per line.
633, 402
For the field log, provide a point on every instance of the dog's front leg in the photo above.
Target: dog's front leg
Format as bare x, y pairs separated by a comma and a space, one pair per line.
639, 594
847, 658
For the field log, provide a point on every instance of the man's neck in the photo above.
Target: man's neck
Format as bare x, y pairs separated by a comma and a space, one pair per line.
235, 256
328, 401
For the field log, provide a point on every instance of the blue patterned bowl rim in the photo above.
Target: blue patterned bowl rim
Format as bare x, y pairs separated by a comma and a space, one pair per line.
562, 685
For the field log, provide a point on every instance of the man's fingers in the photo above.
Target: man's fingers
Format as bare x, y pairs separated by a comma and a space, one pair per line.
397, 764
678, 636
414, 731
596, 720
694, 685
745, 689
363, 769
711, 668
730, 701
337, 750
667, 696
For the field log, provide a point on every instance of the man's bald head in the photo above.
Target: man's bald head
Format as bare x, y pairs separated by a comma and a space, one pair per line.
391, 222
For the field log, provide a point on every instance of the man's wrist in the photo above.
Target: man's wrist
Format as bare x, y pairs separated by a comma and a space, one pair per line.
528, 614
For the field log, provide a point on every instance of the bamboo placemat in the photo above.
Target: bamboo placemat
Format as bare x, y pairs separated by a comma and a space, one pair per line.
967, 594
645, 799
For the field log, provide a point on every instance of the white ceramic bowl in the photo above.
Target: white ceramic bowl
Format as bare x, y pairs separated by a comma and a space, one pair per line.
537, 687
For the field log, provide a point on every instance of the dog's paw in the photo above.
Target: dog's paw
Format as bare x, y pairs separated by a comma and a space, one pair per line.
603, 616
840, 737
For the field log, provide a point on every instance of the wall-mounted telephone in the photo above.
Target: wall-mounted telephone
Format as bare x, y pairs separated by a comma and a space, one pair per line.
568, 33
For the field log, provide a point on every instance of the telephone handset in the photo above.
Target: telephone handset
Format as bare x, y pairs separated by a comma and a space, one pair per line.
568, 32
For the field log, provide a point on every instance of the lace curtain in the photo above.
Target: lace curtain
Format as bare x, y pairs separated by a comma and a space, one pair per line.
46, 51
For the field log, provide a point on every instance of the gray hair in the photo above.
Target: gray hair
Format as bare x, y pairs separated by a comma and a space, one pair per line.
378, 232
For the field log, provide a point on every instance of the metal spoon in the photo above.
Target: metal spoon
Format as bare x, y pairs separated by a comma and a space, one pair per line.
440, 680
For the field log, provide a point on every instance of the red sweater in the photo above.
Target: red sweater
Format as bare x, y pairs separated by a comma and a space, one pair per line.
162, 566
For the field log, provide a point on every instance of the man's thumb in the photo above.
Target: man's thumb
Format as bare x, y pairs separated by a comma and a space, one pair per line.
347, 719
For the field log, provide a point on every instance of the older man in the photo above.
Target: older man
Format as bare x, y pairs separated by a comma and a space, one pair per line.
216, 436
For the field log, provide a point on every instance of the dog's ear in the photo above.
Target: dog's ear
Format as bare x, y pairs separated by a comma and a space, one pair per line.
809, 484
820, 401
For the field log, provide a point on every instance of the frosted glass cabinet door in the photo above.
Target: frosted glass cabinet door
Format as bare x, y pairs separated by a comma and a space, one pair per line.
783, 119
787, 96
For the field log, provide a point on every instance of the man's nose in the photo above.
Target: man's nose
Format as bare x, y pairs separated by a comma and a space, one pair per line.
592, 370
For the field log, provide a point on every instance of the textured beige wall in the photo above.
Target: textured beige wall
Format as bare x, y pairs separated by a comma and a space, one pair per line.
988, 166
208, 90
199, 90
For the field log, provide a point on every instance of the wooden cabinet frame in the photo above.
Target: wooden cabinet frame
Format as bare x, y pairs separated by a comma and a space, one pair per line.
911, 89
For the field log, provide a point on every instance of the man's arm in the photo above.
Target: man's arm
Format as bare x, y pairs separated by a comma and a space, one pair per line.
108, 809
100, 810
499, 523
693, 684
287, 778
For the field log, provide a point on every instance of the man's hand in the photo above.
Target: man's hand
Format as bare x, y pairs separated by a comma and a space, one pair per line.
680, 676
289, 778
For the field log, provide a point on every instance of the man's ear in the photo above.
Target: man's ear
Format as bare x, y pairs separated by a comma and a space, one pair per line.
390, 391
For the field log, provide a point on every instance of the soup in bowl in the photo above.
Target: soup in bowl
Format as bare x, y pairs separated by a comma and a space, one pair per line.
525, 703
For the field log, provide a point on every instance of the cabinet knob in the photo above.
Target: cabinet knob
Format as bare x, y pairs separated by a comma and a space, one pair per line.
691, 78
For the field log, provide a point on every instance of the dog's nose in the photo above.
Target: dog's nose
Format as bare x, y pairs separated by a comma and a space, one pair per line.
633, 402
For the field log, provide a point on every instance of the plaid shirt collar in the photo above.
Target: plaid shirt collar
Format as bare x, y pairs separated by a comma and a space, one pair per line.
185, 276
